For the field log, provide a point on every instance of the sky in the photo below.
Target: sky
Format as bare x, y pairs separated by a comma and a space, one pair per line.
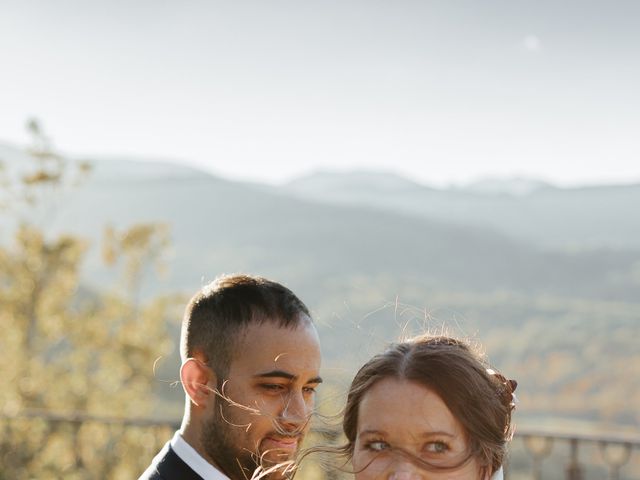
443, 92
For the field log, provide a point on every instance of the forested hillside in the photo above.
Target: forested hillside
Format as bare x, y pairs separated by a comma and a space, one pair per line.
564, 322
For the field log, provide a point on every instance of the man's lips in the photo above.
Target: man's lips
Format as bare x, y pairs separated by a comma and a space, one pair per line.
281, 443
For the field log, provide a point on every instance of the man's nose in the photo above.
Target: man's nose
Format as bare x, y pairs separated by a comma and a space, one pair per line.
295, 409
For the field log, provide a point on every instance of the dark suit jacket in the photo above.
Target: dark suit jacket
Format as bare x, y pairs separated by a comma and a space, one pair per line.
169, 466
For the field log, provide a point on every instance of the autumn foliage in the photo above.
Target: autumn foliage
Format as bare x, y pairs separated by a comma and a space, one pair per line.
68, 348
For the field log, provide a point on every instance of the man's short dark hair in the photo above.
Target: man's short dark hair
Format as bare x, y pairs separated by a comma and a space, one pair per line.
220, 311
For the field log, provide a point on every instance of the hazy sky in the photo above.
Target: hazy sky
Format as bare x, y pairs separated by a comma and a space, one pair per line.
441, 91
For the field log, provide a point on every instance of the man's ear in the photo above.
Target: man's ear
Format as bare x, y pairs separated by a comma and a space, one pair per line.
198, 380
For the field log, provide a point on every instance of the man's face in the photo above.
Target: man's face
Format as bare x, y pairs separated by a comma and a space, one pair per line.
269, 397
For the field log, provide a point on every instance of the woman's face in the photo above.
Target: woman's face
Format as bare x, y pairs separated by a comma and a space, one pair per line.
405, 431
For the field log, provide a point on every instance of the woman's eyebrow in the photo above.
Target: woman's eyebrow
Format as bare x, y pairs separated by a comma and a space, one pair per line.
372, 432
422, 435
437, 433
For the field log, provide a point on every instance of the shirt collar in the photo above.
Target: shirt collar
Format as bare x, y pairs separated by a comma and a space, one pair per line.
196, 462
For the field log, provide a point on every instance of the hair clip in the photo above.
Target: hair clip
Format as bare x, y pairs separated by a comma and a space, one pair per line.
510, 385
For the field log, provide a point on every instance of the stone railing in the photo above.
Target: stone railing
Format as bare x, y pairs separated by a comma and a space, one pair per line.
579, 456
535, 454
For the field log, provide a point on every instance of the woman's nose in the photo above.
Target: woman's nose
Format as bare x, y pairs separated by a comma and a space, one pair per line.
404, 475
404, 470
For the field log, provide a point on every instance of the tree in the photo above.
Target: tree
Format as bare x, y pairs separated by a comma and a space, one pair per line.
66, 348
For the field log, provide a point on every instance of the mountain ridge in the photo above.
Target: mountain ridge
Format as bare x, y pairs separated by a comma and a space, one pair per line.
360, 267
549, 216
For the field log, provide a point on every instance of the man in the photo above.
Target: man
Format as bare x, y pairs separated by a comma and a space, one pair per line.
250, 366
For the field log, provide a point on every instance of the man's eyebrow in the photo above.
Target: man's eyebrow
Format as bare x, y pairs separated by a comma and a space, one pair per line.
285, 375
276, 373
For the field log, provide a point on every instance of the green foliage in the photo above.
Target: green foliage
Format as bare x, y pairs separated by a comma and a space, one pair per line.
66, 349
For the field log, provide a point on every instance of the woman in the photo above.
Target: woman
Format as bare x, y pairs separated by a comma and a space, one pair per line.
428, 408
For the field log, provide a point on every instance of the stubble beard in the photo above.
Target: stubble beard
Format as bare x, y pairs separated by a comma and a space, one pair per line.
222, 443
222, 448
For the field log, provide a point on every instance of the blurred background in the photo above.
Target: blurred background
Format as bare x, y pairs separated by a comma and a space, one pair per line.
469, 167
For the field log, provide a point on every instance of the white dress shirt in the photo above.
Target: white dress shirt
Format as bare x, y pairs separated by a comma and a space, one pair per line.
195, 461
498, 475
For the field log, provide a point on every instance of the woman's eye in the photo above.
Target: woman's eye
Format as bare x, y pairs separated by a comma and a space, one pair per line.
437, 447
376, 445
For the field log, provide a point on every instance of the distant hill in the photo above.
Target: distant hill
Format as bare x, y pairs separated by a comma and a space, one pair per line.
374, 254
529, 211
107, 169
220, 225
510, 186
